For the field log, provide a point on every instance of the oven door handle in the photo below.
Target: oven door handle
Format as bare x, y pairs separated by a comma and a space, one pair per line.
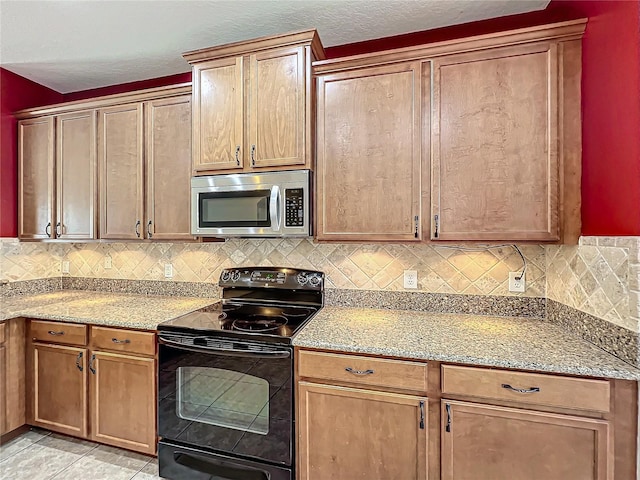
225, 351
275, 208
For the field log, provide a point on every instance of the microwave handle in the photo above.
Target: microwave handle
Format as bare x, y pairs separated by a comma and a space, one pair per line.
275, 208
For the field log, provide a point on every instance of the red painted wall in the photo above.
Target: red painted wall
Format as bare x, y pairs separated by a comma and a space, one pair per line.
16, 93
129, 87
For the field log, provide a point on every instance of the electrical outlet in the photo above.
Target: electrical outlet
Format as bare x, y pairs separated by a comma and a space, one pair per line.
516, 284
64, 266
108, 263
410, 279
168, 270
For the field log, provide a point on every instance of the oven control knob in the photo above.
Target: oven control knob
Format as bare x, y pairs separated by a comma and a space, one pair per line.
302, 278
314, 280
226, 276
235, 276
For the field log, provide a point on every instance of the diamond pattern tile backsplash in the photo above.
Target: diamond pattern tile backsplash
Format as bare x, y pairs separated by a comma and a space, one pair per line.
358, 266
600, 277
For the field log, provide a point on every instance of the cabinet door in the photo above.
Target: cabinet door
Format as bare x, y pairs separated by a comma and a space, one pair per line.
120, 144
35, 160
3, 390
76, 176
168, 157
495, 145
218, 115
277, 108
346, 433
58, 389
123, 401
368, 164
499, 443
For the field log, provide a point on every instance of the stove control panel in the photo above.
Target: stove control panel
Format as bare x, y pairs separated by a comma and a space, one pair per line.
272, 277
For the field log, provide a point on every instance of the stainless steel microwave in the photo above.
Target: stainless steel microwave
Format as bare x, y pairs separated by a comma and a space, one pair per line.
268, 204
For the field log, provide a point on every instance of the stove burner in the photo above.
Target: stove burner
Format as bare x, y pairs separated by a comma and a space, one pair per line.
259, 323
298, 312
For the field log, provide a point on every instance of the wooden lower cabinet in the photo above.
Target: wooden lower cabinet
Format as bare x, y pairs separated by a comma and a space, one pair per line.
484, 442
3, 389
81, 390
348, 433
59, 389
123, 403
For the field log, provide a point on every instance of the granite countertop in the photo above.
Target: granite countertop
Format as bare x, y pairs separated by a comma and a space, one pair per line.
99, 308
507, 342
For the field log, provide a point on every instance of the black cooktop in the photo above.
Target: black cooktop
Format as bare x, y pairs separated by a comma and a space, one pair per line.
236, 319
258, 303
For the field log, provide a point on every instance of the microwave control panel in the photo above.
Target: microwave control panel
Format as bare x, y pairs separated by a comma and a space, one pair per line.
294, 207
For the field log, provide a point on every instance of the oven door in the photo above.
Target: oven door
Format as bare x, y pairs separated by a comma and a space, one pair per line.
227, 396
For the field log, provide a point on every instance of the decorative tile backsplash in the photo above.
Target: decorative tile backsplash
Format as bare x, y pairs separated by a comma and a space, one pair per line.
354, 266
599, 277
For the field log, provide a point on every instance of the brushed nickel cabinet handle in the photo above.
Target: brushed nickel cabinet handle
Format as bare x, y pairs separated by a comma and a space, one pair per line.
149, 234
91, 361
115, 340
78, 360
47, 230
58, 232
521, 390
238, 155
253, 155
138, 228
421, 414
55, 334
447, 427
359, 372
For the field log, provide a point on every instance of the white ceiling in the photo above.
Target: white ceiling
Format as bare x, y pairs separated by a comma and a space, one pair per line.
71, 45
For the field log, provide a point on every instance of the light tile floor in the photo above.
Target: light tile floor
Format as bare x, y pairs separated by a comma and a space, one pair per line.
39, 455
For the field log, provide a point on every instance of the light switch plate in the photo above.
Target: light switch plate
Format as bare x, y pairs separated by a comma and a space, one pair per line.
515, 284
168, 270
64, 266
410, 279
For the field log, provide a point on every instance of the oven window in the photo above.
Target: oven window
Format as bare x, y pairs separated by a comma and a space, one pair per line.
235, 209
223, 398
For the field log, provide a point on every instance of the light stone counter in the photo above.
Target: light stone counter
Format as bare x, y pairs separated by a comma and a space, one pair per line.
507, 342
98, 308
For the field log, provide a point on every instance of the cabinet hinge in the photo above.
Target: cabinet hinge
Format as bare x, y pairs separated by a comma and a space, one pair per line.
436, 222
447, 427
416, 221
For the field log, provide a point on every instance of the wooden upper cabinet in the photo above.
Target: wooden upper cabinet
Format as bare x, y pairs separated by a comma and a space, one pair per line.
369, 154
36, 178
252, 104
495, 164
76, 176
218, 116
489, 442
277, 108
168, 168
120, 149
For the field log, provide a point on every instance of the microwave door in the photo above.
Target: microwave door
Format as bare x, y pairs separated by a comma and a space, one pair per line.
237, 211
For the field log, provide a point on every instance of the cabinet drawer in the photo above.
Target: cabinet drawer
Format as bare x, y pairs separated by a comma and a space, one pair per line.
120, 340
58, 332
381, 372
528, 388
2, 334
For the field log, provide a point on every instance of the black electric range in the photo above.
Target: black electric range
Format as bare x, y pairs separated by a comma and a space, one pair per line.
225, 378
264, 304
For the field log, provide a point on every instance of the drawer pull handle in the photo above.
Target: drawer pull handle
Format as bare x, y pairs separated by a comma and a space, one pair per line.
359, 372
55, 334
115, 340
521, 390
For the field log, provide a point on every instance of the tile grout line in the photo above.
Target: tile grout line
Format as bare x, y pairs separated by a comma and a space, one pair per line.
76, 460
27, 446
